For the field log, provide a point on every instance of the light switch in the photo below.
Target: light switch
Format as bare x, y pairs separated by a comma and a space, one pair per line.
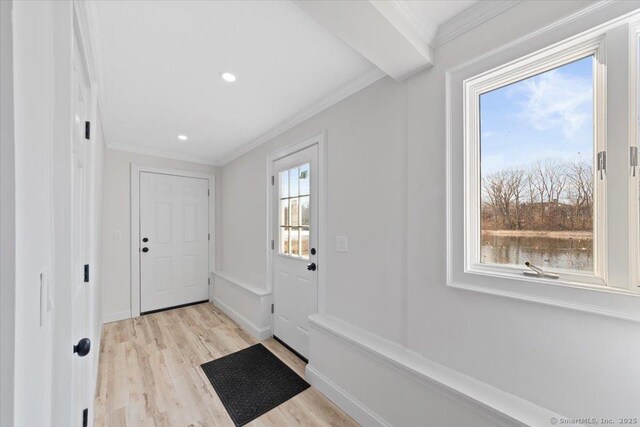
342, 244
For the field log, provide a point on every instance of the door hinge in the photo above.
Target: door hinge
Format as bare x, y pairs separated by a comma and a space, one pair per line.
87, 130
271, 308
208, 192
209, 236
602, 163
86, 273
85, 417
633, 159
273, 180
209, 281
273, 245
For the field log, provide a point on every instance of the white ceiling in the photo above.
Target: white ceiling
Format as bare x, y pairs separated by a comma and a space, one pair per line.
160, 65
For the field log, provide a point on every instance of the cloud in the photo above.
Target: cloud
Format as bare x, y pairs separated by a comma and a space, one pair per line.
555, 100
488, 134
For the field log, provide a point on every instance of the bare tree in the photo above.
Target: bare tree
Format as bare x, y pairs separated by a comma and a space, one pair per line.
548, 195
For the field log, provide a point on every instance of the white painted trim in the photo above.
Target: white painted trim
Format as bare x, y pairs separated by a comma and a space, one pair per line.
470, 18
134, 181
490, 400
160, 153
115, 317
345, 401
531, 65
420, 33
634, 141
611, 302
333, 98
320, 138
7, 219
258, 333
86, 43
242, 285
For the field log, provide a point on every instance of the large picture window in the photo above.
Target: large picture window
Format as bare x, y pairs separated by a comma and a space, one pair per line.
535, 186
537, 155
543, 198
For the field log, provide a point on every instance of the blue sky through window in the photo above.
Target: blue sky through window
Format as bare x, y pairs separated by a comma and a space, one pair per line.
548, 116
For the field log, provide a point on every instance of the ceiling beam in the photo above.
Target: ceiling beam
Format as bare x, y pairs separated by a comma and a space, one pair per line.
379, 31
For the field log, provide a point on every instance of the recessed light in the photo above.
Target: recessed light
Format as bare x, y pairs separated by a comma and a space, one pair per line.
228, 77
182, 137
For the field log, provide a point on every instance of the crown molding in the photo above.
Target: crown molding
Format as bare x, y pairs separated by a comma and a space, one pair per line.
333, 98
160, 153
470, 18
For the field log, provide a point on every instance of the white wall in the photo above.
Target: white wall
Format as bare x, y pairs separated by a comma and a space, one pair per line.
33, 100
7, 217
367, 171
116, 255
387, 193
573, 363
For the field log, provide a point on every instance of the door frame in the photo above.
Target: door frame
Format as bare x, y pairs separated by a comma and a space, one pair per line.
136, 169
70, 30
319, 138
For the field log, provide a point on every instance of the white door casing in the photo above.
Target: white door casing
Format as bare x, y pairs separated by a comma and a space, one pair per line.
81, 321
174, 217
295, 287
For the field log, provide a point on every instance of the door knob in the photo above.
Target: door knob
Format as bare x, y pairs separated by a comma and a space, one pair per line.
83, 347
145, 249
311, 267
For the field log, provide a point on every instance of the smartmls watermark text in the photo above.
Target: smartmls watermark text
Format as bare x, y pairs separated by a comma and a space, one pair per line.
587, 421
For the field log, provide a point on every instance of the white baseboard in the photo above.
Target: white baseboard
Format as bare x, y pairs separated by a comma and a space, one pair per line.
114, 317
258, 333
352, 406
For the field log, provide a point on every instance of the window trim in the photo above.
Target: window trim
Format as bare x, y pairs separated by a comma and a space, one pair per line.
520, 69
618, 303
634, 141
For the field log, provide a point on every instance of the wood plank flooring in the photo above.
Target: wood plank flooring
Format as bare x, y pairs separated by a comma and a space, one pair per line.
150, 375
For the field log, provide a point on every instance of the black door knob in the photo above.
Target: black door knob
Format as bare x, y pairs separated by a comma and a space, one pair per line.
146, 239
313, 251
145, 249
311, 267
83, 347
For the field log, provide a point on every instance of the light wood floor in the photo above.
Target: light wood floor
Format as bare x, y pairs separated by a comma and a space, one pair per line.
150, 374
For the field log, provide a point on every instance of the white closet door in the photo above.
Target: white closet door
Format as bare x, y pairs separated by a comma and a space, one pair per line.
174, 234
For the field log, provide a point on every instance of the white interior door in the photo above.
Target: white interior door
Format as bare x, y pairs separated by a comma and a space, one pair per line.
295, 279
174, 240
81, 322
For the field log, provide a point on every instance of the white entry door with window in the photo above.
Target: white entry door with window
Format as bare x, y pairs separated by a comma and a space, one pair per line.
295, 279
174, 240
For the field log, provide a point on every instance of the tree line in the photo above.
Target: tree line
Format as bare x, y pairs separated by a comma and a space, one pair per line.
549, 195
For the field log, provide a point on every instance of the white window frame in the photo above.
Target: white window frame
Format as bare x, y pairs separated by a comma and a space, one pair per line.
634, 136
503, 76
613, 288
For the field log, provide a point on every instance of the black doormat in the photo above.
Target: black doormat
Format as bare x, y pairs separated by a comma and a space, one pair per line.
251, 382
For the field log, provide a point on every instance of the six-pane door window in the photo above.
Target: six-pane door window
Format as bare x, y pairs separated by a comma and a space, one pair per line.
294, 211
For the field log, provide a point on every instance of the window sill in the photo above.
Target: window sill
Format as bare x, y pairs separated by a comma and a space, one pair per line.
596, 299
